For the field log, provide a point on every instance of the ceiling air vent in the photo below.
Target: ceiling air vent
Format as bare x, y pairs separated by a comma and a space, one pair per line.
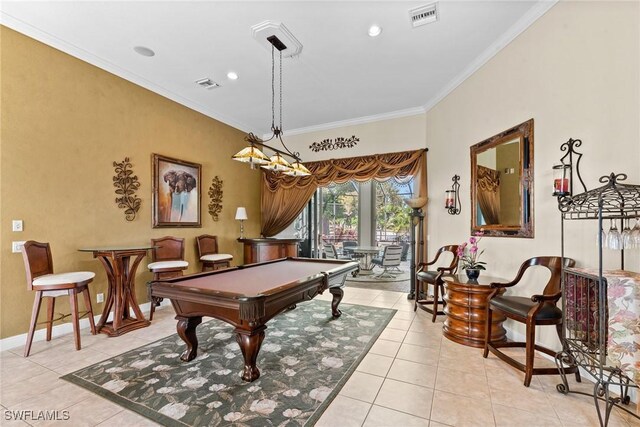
207, 83
423, 15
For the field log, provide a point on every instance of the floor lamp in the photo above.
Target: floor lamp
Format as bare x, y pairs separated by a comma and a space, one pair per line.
417, 221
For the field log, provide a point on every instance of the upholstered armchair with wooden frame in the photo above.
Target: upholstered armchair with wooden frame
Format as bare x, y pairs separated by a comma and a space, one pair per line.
167, 261
207, 246
539, 309
426, 277
38, 265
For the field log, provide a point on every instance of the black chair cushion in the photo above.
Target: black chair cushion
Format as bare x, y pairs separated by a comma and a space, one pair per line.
376, 261
520, 306
428, 276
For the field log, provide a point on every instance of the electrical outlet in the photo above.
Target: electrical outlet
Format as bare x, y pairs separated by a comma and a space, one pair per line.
16, 225
99, 298
16, 247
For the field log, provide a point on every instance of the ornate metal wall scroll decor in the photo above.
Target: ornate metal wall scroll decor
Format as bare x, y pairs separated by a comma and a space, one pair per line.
340, 142
126, 184
215, 193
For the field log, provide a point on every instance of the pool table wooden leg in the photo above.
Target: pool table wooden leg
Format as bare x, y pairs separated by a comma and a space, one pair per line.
250, 342
337, 293
187, 331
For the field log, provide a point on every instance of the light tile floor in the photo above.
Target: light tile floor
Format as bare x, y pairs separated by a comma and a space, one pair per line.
412, 376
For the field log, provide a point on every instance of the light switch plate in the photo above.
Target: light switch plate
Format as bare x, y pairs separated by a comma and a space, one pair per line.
16, 247
16, 225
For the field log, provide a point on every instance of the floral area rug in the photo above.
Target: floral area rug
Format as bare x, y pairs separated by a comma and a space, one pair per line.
306, 357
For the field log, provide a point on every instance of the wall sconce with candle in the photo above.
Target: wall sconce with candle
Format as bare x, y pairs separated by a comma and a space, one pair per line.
452, 200
563, 172
241, 215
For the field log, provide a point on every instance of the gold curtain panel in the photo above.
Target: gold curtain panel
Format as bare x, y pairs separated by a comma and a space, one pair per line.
284, 197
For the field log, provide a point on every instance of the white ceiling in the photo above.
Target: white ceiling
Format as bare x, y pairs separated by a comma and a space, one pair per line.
341, 75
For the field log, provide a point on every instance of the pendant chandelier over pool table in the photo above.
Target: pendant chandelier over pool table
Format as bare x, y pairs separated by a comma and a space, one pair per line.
252, 153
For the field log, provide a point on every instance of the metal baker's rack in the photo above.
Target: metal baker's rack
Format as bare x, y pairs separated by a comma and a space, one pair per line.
587, 347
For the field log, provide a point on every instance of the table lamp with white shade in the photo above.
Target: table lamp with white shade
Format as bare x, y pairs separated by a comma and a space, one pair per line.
241, 215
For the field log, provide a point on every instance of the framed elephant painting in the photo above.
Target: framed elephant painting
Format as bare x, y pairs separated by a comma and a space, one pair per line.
176, 192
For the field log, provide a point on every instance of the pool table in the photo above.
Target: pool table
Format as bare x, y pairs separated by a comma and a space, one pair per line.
249, 296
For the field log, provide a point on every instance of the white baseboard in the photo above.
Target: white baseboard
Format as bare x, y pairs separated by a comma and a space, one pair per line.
61, 329
517, 336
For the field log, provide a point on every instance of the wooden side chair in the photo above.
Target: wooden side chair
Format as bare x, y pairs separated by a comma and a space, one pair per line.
539, 309
426, 277
390, 260
167, 258
207, 246
38, 265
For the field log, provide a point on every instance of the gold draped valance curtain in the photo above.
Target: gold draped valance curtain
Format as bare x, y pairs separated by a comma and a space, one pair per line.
284, 197
489, 194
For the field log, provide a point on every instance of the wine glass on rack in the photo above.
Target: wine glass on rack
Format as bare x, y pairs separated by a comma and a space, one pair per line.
635, 234
614, 240
627, 240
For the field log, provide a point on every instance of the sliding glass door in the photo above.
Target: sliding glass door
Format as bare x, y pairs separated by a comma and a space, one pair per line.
339, 213
392, 215
370, 213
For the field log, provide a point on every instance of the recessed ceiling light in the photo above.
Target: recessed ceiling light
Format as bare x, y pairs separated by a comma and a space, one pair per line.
232, 76
375, 30
144, 51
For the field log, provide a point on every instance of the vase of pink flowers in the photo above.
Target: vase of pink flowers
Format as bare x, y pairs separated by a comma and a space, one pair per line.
470, 257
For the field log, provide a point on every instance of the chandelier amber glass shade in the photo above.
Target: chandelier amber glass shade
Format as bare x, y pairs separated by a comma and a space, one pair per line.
251, 154
298, 169
278, 163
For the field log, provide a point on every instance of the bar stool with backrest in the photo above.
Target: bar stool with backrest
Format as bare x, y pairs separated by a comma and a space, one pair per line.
539, 309
167, 258
207, 246
426, 277
38, 264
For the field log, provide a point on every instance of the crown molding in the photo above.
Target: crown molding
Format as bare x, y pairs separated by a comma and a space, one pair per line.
359, 120
514, 31
77, 52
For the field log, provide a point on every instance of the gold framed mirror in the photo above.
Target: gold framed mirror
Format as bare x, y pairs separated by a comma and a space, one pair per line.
502, 183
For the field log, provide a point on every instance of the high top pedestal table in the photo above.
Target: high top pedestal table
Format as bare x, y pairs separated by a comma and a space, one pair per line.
121, 295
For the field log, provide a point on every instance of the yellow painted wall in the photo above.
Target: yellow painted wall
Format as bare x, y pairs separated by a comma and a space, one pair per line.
63, 123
